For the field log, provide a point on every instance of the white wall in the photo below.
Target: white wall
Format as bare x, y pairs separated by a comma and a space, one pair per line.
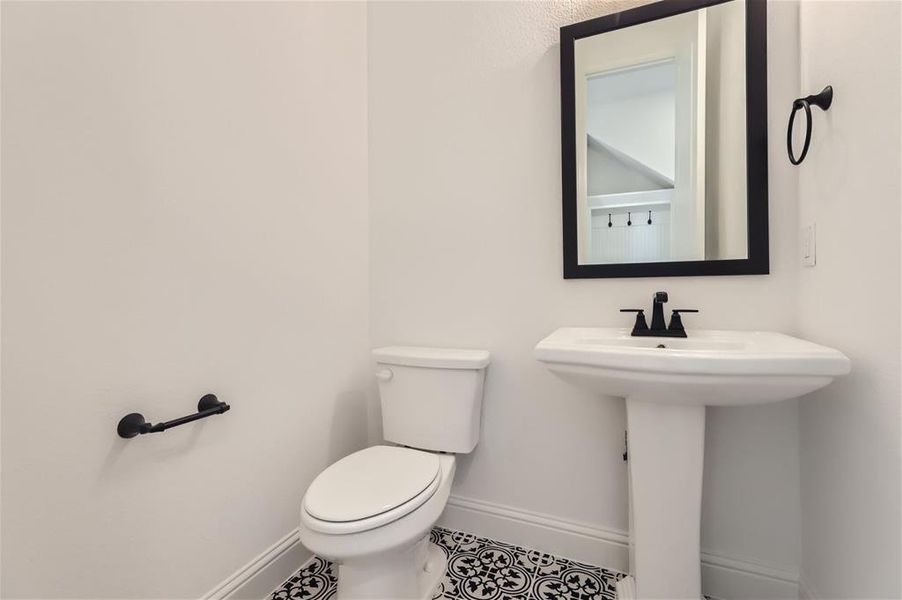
184, 211
466, 250
641, 126
611, 172
849, 187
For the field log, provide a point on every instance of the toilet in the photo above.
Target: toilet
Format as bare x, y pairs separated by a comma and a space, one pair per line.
371, 512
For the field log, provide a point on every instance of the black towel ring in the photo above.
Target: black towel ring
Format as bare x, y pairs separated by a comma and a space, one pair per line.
823, 100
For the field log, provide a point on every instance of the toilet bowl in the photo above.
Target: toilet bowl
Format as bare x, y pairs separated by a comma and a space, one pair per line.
379, 540
371, 512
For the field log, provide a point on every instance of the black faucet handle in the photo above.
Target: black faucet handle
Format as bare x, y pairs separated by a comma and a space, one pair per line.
641, 324
676, 323
660, 297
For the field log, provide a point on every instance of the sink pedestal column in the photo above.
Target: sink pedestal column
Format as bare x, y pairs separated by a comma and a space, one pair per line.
666, 457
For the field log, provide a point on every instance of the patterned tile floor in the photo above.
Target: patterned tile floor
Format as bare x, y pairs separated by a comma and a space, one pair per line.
480, 569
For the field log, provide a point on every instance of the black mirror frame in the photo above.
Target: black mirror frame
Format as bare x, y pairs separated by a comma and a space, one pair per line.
758, 261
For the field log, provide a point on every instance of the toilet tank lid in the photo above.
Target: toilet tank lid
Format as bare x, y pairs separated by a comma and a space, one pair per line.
436, 358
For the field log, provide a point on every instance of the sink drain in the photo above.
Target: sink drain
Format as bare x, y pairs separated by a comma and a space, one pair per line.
661, 346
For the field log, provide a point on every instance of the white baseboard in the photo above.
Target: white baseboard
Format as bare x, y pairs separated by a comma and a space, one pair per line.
258, 578
730, 578
723, 577
577, 541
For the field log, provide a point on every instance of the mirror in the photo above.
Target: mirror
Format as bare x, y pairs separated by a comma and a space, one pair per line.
664, 141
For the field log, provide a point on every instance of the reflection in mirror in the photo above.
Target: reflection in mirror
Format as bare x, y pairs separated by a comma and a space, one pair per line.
630, 162
659, 112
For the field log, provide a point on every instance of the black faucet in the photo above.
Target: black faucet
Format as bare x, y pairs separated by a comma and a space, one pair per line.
657, 311
658, 327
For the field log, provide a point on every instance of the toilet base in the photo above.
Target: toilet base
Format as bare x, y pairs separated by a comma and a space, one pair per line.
413, 573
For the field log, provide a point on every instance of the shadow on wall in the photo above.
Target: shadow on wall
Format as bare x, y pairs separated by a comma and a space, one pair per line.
159, 454
348, 430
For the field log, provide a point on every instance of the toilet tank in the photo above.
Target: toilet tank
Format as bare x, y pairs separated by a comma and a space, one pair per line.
431, 397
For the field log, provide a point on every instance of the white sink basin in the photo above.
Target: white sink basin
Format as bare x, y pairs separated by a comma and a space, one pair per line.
709, 367
667, 382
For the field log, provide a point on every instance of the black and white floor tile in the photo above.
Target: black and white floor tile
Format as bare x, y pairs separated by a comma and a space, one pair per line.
480, 569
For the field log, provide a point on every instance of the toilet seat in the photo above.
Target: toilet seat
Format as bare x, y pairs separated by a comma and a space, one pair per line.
370, 488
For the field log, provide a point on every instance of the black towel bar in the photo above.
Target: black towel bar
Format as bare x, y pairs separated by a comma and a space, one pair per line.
134, 424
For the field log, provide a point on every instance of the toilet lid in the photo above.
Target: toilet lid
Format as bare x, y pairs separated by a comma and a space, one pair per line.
370, 482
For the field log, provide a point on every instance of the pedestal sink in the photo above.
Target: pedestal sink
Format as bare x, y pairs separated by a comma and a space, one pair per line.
667, 382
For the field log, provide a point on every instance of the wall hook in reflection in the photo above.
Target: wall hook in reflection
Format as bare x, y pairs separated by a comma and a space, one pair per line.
823, 100
610, 224
649, 217
629, 219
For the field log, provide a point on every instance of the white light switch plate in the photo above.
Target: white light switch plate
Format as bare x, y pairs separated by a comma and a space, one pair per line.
809, 245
